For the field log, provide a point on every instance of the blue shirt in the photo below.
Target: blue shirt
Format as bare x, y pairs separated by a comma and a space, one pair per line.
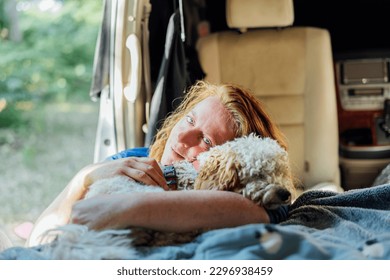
133, 152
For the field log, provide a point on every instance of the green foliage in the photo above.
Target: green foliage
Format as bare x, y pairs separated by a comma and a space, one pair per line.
3, 16
54, 60
11, 117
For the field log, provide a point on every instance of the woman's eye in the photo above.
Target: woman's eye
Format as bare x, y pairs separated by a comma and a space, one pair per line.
190, 120
207, 141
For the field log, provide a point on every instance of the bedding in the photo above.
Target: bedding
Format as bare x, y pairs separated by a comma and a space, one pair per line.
321, 225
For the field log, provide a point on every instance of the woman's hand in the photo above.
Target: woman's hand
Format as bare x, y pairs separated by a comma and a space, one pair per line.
143, 170
99, 212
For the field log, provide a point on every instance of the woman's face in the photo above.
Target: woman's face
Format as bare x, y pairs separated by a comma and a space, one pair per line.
207, 125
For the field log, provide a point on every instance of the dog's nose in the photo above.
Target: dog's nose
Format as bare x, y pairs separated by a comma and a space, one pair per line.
284, 195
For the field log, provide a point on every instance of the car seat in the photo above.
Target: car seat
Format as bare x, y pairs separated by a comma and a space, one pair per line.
291, 71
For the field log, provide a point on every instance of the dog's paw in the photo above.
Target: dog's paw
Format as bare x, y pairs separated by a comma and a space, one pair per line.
271, 196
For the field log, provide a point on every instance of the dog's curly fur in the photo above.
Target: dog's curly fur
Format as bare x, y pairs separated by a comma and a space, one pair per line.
256, 167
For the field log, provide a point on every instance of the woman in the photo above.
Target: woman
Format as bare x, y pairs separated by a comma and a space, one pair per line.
209, 115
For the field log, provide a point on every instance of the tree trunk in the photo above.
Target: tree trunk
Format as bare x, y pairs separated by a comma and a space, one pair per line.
15, 34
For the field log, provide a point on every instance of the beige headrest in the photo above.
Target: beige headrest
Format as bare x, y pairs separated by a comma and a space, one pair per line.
259, 13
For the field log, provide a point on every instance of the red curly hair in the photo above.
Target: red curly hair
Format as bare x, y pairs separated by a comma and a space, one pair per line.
246, 110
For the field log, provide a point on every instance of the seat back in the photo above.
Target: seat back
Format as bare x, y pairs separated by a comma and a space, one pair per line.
291, 71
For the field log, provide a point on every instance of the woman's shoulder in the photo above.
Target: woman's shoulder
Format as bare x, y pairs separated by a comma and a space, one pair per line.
132, 152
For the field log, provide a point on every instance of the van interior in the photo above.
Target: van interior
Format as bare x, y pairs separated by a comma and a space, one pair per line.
320, 67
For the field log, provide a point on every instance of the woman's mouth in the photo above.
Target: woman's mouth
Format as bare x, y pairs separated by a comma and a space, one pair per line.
180, 156
177, 155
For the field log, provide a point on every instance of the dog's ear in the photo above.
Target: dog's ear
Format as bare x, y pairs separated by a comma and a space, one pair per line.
219, 172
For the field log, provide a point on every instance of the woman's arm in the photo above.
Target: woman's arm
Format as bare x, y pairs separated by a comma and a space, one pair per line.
177, 211
144, 170
58, 212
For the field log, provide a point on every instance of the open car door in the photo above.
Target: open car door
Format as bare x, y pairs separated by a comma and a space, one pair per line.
121, 79
138, 87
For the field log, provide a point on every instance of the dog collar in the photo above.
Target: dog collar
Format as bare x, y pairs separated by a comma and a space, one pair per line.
170, 176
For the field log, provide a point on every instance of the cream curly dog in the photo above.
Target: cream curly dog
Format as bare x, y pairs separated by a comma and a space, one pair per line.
256, 167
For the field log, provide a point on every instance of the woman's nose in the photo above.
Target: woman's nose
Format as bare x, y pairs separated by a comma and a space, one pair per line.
189, 137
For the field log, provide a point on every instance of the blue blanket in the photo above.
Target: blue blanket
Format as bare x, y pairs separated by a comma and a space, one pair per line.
321, 225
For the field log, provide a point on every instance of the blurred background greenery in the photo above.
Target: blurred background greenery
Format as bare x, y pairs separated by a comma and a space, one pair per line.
47, 120
46, 53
